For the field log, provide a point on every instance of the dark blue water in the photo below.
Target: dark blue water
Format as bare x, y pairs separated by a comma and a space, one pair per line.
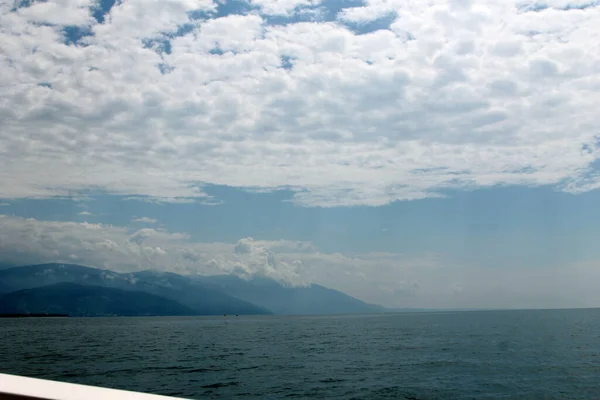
462, 355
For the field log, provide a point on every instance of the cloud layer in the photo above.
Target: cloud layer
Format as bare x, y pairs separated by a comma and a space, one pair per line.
360, 105
391, 279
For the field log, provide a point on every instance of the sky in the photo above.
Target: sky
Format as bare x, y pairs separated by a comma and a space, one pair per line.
411, 153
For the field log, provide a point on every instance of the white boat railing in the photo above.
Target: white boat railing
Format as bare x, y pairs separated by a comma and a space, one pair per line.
21, 388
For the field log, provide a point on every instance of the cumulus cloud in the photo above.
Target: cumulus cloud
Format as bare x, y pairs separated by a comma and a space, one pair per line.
155, 98
24, 241
145, 220
254, 259
392, 279
283, 7
85, 213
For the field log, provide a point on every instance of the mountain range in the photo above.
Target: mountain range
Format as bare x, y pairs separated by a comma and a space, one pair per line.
281, 299
88, 301
83, 291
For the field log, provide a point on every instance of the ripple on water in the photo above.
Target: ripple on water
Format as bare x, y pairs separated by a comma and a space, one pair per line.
219, 385
484, 355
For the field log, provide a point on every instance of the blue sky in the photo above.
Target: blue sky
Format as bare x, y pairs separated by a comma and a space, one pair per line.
499, 227
410, 153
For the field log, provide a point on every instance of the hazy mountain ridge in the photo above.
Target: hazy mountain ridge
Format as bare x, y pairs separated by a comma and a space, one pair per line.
312, 299
204, 295
203, 300
88, 301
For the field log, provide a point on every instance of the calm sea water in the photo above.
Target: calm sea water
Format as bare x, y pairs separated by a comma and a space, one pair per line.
462, 355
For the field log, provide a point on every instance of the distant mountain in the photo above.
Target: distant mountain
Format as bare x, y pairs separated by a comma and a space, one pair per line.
280, 299
201, 298
195, 294
84, 300
204, 295
4, 265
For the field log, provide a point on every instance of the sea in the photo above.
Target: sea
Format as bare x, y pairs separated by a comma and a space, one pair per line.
550, 354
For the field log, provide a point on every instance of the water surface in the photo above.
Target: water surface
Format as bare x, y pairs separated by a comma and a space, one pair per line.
552, 354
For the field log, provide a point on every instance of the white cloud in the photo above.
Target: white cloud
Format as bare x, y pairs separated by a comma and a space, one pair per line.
145, 220
59, 12
85, 213
283, 7
455, 94
250, 258
391, 279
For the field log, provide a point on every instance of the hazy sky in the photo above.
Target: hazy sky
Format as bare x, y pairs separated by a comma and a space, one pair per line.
408, 152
